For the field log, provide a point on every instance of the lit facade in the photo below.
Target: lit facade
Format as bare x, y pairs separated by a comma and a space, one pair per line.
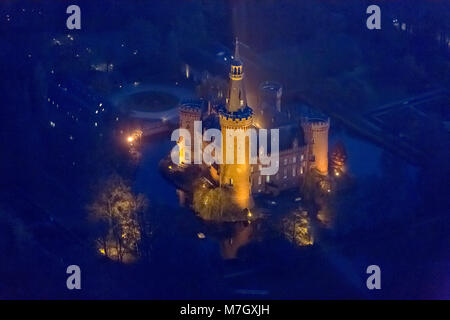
235, 119
303, 141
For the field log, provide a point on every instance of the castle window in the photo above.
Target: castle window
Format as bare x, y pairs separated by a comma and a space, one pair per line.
231, 181
301, 158
259, 179
285, 173
301, 170
293, 171
294, 159
285, 161
267, 179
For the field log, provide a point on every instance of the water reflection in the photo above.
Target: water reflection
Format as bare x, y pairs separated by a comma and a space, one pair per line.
241, 235
231, 235
182, 197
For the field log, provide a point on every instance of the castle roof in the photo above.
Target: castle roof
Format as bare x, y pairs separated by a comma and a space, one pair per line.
288, 134
237, 99
192, 105
242, 113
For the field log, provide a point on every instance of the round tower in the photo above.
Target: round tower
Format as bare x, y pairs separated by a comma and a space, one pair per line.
189, 111
270, 95
236, 142
316, 137
269, 104
235, 119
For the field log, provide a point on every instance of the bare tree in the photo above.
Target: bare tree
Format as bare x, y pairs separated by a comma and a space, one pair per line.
119, 208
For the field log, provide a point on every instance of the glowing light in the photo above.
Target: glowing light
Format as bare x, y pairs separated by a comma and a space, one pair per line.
102, 251
130, 139
187, 71
201, 235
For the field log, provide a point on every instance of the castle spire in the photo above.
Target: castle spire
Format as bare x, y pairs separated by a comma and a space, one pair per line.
235, 119
236, 96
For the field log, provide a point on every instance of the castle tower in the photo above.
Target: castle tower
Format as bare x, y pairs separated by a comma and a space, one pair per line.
269, 103
316, 137
270, 95
235, 120
189, 112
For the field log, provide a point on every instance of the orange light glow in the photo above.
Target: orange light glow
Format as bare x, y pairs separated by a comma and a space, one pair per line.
201, 235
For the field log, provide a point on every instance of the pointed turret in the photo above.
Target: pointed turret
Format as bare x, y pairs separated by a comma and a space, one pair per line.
236, 49
236, 96
235, 120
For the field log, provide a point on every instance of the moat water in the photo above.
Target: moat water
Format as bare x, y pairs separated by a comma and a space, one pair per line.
255, 263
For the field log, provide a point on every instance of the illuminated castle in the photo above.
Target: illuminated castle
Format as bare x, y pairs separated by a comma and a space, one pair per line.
303, 138
236, 117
